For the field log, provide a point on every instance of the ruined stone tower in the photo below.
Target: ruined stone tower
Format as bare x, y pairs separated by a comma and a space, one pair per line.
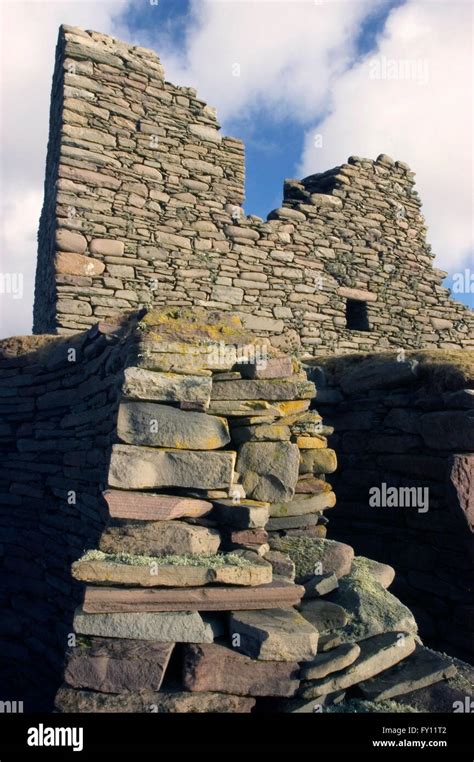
143, 208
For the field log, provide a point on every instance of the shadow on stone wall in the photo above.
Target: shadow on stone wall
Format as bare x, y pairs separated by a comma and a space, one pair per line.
59, 399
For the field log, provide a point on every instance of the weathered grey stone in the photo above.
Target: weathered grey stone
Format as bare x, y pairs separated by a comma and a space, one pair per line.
256, 389
69, 240
274, 635
159, 538
373, 610
292, 522
323, 615
148, 423
264, 432
271, 367
382, 573
315, 556
269, 470
141, 384
144, 467
332, 661
165, 702
320, 584
168, 627
376, 655
218, 668
304, 504
246, 514
424, 667
318, 461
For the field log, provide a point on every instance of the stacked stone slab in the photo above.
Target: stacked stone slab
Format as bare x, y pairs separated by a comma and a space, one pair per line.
213, 585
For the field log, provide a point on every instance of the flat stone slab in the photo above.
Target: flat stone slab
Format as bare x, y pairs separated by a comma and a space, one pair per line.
376, 655
423, 668
142, 384
132, 600
113, 665
268, 470
270, 367
320, 584
144, 506
292, 522
323, 615
303, 504
165, 702
332, 661
173, 627
318, 461
315, 556
297, 387
108, 572
274, 635
159, 538
373, 610
264, 432
246, 514
243, 408
151, 424
216, 667
133, 467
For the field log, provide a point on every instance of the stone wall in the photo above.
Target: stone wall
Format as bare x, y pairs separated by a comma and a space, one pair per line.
58, 402
409, 425
143, 208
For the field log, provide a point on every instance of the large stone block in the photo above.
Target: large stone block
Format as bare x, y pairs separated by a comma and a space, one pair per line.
218, 668
159, 538
315, 556
145, 467
269, 470
274, 635
146, 423
142, 384
113, 665
272, 389
169, 627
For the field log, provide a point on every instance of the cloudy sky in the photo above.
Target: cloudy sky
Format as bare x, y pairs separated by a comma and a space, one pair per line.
305, 83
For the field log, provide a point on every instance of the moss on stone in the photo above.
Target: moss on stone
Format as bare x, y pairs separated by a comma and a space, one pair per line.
439, 369
211, 562
360, 706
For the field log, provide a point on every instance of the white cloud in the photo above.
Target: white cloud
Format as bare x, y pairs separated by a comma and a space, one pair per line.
420, 113
29, 33
279, 54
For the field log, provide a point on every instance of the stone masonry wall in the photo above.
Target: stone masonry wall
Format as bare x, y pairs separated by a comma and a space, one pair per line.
143, 208
408, 425
58, 404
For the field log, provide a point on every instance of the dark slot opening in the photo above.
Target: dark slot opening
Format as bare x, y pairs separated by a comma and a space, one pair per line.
356, 316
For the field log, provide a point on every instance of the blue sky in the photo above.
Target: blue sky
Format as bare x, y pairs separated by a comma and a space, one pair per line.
273, 141
304, 72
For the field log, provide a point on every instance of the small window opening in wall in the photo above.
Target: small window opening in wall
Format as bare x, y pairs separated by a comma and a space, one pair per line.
356, 315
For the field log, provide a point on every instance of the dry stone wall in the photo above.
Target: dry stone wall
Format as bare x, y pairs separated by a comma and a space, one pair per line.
405, 479
143, 207
58, 401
